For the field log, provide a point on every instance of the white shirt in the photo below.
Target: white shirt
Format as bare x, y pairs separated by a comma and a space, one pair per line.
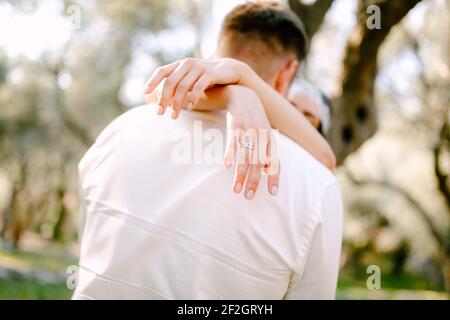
155, 229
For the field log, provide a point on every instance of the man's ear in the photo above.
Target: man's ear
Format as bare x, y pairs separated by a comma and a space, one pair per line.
285, 76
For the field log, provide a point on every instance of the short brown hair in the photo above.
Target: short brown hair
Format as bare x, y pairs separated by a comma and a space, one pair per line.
269, 22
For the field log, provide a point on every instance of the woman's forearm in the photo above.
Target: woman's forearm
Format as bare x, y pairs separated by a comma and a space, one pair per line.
215, 98
281, 114
288, 120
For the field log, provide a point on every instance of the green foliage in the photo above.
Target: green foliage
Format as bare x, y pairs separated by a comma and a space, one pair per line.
52, 108
32, 290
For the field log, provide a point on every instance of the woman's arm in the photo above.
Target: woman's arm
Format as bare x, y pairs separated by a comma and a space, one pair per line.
245, 112
288, 120
281, 115
175, 89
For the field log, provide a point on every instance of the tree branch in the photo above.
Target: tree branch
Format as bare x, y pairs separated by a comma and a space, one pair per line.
440, 146
77, 130
442, 241
74, 128
354, 118
312, 15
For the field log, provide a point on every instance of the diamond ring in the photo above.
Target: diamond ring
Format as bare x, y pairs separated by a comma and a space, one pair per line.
248, 145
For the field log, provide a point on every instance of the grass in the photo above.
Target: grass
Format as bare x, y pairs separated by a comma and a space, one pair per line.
407, 281
32, 290
352, 285
23, 260
23, 289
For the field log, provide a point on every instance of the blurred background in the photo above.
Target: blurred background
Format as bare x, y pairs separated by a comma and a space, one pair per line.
67, 68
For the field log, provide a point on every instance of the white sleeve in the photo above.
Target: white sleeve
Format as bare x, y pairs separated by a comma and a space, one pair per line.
318, 279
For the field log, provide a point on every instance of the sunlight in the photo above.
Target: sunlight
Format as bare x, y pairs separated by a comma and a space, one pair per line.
28, 35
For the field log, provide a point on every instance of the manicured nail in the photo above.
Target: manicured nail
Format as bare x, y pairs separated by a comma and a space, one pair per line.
274, 190
190, 106
174, 114
238, 188
250, 194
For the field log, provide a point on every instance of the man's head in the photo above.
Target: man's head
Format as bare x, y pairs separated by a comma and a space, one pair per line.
267, 36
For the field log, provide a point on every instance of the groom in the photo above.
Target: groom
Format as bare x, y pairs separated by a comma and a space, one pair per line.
154, 229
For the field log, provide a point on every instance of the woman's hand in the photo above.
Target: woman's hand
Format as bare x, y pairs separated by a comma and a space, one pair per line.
185, 81
250, 143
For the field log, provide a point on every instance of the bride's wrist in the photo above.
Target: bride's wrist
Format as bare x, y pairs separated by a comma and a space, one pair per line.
240, 99
246, 74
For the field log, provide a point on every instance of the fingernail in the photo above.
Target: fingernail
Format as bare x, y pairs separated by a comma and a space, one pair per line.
250, 194
238, 188
160, 110
274, 190
174, 114
190, 106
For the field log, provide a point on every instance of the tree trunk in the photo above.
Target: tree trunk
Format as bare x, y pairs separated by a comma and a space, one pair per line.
312, 15
12, 212
9, 212
440, 147
446, 273
61, 215
354, 116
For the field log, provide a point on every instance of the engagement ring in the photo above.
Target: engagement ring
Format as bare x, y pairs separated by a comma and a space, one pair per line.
248, 145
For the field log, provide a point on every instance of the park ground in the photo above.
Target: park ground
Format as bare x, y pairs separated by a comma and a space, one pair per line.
42, 275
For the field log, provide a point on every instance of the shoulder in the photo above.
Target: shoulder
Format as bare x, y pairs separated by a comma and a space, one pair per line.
113, 135
309, 179
304, 163
131, 118
144, 118
140, 128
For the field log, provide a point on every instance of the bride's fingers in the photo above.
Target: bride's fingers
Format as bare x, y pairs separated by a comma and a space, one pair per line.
267, 152
273, 182
273, 174
250, 145
263, 147
254, 174
272, 167
198, 89
239, 177
242, 161
232, 141
185, 85
172, 82
233, 137
159, 75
